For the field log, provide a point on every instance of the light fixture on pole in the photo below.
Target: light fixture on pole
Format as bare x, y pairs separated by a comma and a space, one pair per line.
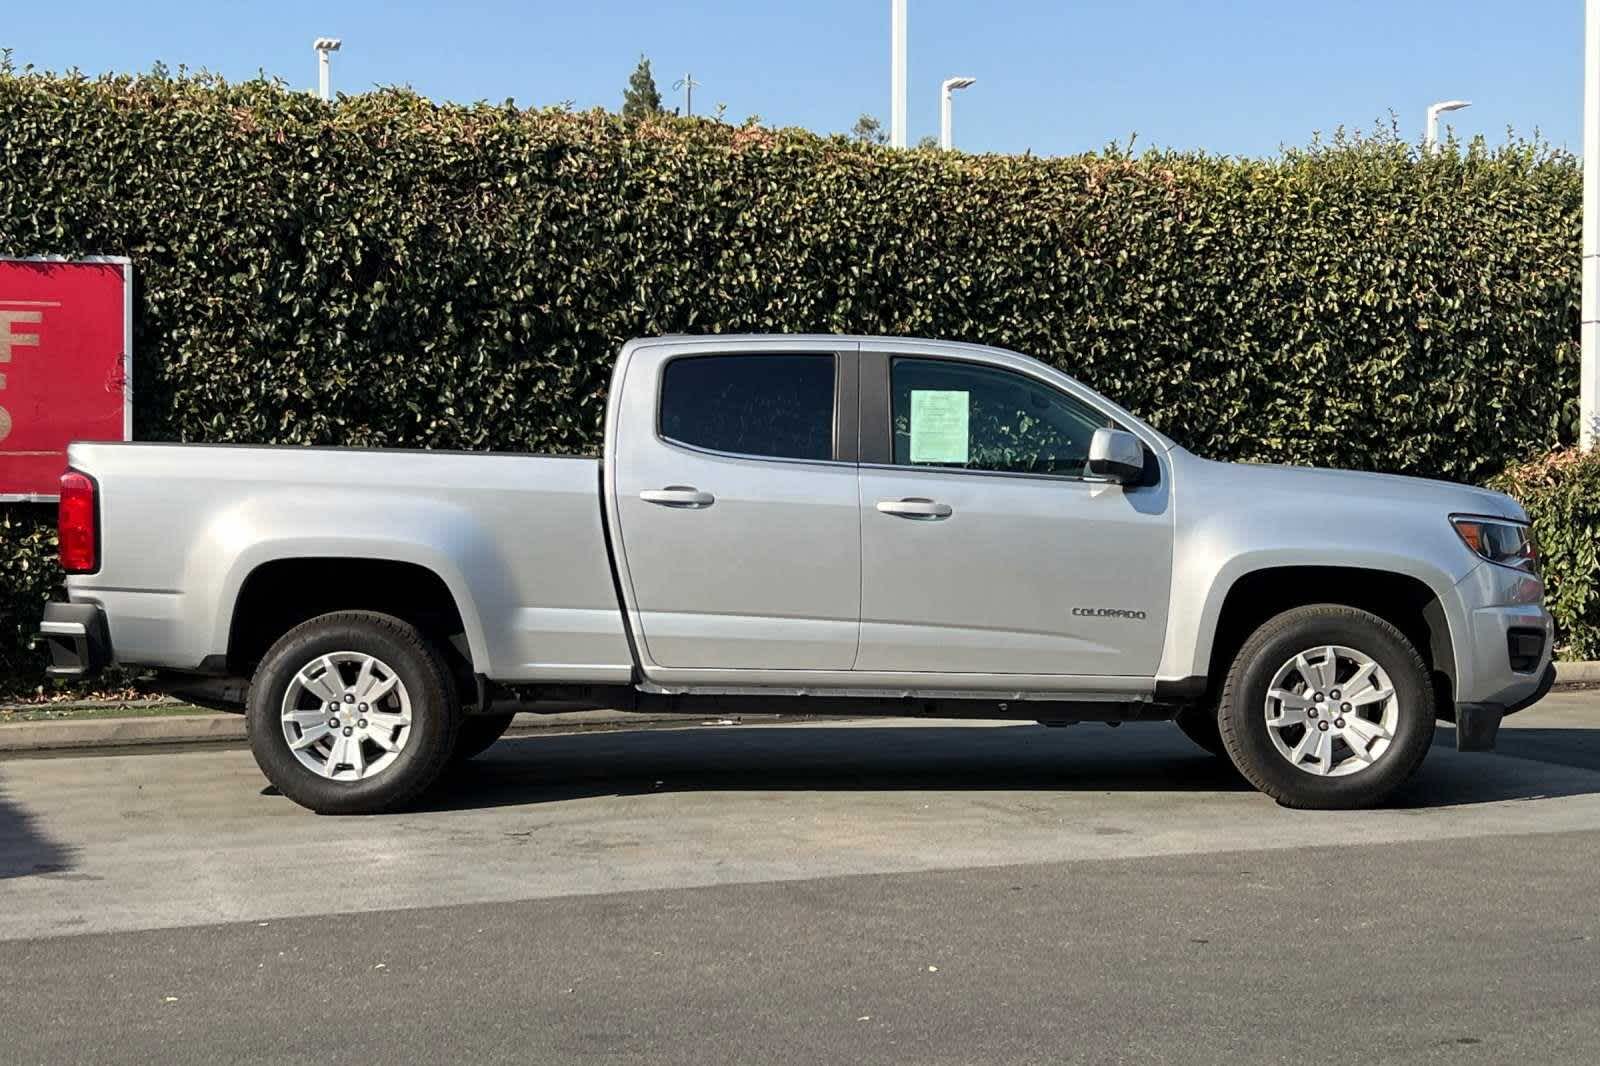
897, 73
949, 86
688, 85
325, 46
1430, 139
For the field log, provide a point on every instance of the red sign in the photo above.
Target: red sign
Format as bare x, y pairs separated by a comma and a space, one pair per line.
66, 349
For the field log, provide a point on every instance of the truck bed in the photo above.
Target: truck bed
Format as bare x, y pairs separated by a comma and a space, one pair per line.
517, 539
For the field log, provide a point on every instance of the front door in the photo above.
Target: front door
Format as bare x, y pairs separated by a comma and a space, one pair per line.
736, 500
984, 549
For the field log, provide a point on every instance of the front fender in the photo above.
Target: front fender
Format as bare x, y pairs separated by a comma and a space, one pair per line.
1209, 564
1237, 519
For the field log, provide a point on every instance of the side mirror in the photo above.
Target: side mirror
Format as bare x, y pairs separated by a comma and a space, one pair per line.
1116, 455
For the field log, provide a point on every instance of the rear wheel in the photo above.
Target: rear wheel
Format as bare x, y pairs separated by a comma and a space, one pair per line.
352, 713
478, 733
1327, 707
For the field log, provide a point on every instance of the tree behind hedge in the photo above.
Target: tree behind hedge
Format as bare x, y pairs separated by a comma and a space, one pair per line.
641, 99
386, 271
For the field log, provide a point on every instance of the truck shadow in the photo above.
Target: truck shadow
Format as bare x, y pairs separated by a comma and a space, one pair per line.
830, 758
1527, 764
1576, 748
26, 850
1140, 757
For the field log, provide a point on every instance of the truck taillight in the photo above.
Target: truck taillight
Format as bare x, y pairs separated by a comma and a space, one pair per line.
76, 522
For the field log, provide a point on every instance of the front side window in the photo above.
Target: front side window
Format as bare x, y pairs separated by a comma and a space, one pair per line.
971, 417
770, 405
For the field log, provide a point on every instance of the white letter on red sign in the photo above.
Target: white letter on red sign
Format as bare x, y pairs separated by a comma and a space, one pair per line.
9, 341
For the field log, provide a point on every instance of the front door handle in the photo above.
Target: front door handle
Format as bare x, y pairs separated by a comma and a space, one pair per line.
678, 496
916, 507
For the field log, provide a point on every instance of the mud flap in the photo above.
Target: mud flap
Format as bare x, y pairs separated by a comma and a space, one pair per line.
1477, 726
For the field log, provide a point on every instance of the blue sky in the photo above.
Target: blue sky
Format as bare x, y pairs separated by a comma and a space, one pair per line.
1232, 77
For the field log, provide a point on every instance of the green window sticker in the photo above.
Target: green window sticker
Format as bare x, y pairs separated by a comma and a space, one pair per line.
938, 426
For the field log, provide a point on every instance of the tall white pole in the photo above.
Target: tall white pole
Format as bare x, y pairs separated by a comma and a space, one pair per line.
946, 88
897, 73
1589, 381
324, 46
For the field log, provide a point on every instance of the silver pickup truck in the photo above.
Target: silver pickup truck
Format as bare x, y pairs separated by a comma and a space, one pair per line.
807, 523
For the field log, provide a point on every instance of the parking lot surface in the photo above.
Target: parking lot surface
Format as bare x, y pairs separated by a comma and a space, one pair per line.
862, 891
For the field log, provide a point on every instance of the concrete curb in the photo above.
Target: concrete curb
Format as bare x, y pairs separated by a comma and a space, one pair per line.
22, 737
1572, 673
119, 732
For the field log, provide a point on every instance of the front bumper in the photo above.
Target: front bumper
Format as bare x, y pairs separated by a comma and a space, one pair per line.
1502, 635
1504, 641
77, 637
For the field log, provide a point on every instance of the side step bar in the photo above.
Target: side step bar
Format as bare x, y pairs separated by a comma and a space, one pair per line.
503, 699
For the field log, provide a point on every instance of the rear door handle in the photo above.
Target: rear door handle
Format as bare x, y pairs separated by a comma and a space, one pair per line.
678, 496
916, 507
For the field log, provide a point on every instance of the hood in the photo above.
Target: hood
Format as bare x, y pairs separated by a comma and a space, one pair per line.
1314, 483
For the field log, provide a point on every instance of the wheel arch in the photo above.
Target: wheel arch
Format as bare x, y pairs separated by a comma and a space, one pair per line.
1415, 606
272, 595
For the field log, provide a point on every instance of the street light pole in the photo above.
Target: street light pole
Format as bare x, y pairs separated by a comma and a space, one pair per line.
687, 84
325, 46
897, 73
949, 86
1430, 138
1589, 316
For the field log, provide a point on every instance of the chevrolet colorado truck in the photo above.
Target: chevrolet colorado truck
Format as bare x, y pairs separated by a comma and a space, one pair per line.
807, 523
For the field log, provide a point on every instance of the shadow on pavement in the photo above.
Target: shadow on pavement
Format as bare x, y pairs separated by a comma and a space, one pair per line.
1140, 757
1578, 748
25, 849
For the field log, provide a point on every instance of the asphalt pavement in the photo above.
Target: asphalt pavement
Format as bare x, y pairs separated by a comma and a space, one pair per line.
864, 892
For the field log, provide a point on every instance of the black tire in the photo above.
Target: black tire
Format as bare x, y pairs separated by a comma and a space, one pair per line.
435, 712
478, 733
1199, 724
1242, 714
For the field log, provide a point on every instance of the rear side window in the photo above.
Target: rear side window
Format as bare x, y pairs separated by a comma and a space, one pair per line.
771, 405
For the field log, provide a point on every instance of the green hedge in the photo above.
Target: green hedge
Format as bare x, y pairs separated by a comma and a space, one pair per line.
386, 271
1562, 493
27, 573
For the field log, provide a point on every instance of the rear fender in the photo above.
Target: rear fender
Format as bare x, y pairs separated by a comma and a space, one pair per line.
436, 536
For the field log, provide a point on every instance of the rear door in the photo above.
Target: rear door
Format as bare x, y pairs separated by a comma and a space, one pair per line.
985, 549
735, 496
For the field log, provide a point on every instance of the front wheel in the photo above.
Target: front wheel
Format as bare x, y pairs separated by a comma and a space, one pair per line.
1327, 707
352, 713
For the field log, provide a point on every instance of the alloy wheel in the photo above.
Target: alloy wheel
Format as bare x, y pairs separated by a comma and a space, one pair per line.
1332, 711
346, 715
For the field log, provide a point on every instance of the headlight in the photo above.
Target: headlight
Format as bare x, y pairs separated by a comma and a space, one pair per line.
1499, 541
